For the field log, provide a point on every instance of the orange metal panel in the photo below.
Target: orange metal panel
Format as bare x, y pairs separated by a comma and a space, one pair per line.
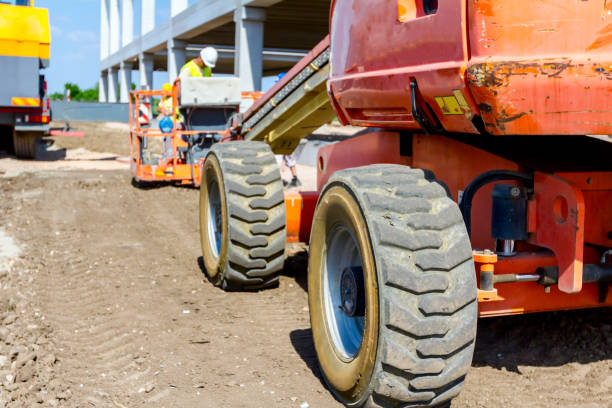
541, 67
293, 211
373, 147
300, 207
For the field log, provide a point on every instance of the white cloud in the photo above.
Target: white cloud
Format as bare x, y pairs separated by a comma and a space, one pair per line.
74, 56
60, 18
82, 36
55, 30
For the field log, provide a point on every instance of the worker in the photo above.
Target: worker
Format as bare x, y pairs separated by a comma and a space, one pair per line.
165, 110
291, 162
165, 106
289, 159
201, 66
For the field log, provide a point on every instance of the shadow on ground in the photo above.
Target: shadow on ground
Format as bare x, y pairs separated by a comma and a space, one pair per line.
301, 339
296, 265
540, 340
44, 153
47, 152
544, 339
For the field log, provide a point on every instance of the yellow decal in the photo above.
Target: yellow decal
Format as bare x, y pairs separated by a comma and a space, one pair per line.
461, 99
449, 105
454, 105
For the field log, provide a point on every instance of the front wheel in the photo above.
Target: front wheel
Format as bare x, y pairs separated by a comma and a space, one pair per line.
392, 289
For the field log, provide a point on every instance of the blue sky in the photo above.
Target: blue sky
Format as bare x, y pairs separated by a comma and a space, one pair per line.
75, 40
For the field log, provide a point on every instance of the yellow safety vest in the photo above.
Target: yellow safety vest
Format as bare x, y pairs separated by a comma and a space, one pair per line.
196, 71
167, 105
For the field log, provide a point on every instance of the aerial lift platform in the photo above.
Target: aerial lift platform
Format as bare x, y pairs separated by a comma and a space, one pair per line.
204, 106
483, 186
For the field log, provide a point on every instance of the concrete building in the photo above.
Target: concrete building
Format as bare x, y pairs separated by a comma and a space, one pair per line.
255, 38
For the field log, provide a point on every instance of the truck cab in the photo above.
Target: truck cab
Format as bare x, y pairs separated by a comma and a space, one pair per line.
24, 106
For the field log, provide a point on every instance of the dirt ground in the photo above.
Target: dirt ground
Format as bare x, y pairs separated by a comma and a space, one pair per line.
104, 303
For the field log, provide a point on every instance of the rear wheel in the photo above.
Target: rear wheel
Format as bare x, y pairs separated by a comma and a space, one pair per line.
242, 216
392, 289
26, 144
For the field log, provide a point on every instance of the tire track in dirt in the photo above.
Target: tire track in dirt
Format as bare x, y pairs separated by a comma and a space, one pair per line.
87, 318
123, 295
126, 299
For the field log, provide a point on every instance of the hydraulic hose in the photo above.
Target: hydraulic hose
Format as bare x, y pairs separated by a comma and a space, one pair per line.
485, 178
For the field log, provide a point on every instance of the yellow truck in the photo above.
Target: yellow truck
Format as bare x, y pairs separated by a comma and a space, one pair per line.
25, 41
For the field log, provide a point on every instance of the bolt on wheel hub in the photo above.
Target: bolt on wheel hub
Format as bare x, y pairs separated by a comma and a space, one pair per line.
352, 292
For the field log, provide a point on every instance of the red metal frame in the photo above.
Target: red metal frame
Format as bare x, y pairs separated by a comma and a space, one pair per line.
381, 147
559, 226
563, 230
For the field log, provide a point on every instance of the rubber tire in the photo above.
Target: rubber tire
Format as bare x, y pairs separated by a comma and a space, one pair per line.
423, 282
26, 144
253, 219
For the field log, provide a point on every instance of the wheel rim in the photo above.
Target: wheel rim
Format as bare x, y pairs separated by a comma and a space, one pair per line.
346, 330
215, 218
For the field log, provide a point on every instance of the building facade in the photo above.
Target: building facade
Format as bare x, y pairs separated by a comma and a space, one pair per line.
254, 38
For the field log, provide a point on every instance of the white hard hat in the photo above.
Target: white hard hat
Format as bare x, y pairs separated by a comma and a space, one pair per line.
209, 56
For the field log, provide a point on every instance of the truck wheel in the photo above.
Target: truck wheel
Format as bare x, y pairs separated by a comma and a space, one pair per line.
242, 216
391, 289
26, 144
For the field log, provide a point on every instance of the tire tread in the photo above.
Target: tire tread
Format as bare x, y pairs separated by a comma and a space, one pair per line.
427, 289
256, 219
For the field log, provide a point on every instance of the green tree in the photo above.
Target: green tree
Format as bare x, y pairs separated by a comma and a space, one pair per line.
82, 95
90, 95
56, 96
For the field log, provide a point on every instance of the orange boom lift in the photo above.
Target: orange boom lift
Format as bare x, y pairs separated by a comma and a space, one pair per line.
182, 155
475, 190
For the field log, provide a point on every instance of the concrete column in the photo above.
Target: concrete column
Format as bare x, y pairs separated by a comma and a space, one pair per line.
104, 29
176, 6
112, 85
126, 82
145, 71
248, 59
147, 16
127, 22
115, 26
102, 87
176, 58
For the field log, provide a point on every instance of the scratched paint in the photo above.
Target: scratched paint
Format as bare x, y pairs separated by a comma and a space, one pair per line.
498, 74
